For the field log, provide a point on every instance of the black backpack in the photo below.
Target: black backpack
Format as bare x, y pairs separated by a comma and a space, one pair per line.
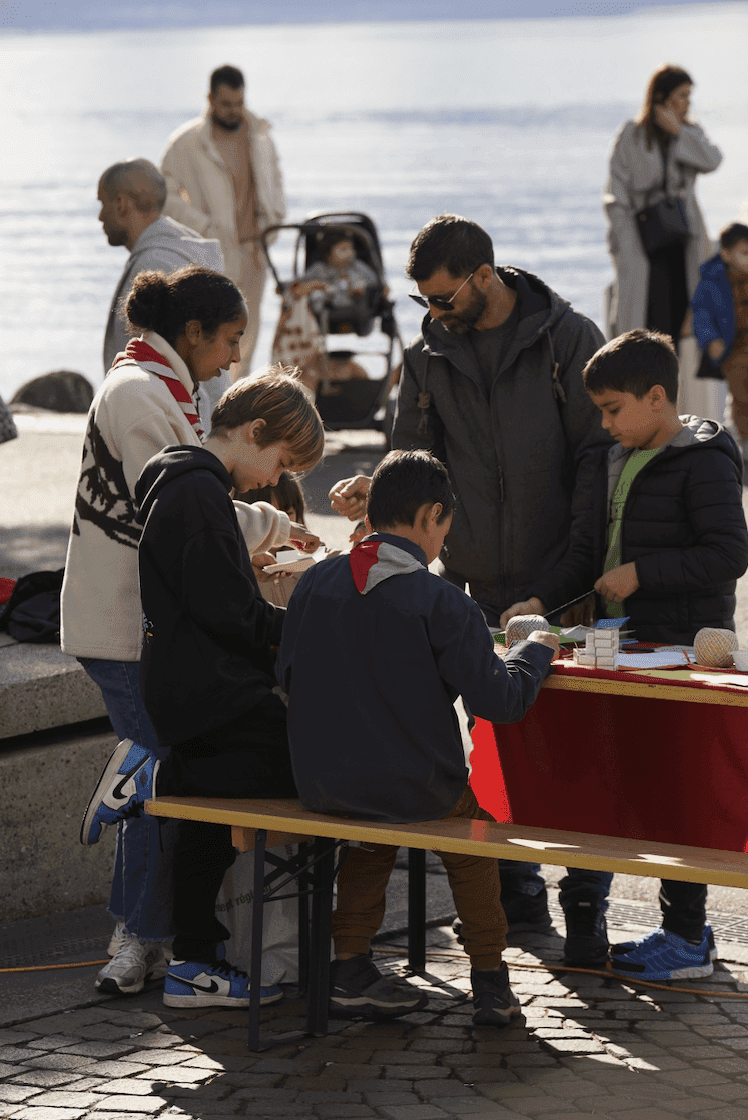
32, 614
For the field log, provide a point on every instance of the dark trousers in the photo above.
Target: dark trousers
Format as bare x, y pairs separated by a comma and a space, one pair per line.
667, 295
683, 908
247, 757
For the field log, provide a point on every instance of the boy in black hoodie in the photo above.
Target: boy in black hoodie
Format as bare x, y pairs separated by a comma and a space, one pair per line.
670, 540
375, 651
207, 667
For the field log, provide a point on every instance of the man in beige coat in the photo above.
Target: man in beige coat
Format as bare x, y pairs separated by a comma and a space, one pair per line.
224, 180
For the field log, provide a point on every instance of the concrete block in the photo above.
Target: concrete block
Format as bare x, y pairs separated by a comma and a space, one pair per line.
43, 793
41, 687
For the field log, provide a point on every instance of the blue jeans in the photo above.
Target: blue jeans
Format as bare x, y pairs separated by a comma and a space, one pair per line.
142, 880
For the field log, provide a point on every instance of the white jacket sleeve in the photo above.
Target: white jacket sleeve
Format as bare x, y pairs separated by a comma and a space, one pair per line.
262, 526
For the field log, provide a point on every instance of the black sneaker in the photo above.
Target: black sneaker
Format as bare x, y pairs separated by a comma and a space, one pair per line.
494, 1001
586, 943
525, 913
358, 989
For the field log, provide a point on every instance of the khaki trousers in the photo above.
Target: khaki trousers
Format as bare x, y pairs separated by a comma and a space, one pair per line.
474, 882
252, 285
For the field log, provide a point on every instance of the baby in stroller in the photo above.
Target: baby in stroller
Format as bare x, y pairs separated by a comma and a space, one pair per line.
341, 273
338, 281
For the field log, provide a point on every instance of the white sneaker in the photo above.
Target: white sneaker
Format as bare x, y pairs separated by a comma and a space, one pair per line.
118, 938
133, 963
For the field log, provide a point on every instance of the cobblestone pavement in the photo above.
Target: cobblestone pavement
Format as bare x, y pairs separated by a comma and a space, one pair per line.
586, 1047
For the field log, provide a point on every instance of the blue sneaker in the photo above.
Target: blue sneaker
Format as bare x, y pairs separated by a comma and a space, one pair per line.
128, 779
627, 946
664, 956
193, 984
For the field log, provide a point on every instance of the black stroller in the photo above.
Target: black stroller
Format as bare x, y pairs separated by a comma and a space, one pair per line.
365, 401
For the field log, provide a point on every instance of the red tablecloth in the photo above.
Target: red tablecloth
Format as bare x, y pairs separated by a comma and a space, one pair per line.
649, 769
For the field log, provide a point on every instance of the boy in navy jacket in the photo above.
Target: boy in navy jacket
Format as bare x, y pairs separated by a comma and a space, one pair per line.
668, 542
375, 651
720, 318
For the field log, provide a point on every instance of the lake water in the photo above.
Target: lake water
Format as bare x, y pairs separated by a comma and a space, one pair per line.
506, 121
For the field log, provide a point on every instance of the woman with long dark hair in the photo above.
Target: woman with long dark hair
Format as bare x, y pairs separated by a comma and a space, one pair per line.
655, 157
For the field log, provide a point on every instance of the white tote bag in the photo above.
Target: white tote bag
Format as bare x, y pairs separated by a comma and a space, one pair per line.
279, 926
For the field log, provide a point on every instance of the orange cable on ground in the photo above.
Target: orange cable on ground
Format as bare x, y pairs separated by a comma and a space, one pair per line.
46, 967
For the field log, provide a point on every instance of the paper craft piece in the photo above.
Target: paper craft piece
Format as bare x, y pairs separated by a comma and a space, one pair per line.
658, 660
611, 623
576, 633
289, 560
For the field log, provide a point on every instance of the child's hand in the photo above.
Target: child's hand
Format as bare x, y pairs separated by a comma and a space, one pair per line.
545, 638
303, 538
259, 560
301, 288
359, 533
348, 497
527, 606
716, 349
617, 584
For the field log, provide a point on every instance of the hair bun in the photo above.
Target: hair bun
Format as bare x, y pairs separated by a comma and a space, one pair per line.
147, 304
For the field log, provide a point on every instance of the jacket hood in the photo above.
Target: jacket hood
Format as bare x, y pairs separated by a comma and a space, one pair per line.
381, 556
696, 432
171, 236
539, 309
170, 464
713, 268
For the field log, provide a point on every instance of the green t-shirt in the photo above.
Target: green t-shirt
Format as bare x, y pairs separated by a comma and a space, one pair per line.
634, 463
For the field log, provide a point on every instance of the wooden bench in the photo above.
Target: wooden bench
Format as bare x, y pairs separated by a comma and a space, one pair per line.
257, 824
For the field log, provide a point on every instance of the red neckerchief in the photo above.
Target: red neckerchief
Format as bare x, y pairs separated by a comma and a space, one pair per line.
143, 353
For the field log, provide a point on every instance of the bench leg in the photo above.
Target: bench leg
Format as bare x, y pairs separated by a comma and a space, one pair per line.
417, 909
305, 851
255, 962
319, 974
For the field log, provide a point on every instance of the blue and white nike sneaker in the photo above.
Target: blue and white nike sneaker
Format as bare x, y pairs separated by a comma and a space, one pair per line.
664, 956
127, 780
195, 984
640, 943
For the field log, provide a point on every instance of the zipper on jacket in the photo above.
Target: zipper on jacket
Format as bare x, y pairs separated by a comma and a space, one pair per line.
501, 484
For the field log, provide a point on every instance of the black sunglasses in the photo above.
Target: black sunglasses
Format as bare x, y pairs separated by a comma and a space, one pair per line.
437, 301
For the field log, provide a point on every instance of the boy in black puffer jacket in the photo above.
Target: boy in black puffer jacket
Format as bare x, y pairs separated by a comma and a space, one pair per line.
670, 538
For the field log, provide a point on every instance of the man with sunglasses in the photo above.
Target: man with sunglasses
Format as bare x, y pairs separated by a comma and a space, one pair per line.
493, 388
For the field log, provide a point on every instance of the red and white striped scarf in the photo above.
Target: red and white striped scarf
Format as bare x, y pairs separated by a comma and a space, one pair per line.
145, 356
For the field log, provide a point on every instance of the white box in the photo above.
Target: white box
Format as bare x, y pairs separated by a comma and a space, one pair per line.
606, 642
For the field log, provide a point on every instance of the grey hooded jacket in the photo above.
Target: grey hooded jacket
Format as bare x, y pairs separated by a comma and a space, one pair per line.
518, 461
165, 245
